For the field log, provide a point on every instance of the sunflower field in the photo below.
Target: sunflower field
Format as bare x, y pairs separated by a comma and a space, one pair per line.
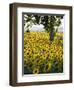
41, 55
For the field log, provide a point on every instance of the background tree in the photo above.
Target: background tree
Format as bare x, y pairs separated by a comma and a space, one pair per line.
48, 21
29, 20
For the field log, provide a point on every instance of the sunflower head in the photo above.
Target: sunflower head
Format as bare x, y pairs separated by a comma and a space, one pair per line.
47, 67
35, 71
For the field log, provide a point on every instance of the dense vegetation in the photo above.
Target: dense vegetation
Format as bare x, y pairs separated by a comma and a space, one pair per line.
42, 56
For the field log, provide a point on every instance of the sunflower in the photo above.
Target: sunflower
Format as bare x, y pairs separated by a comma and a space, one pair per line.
47, 67
35, 71
40, 52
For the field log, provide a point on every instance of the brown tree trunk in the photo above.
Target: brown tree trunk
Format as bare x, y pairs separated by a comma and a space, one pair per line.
51, 35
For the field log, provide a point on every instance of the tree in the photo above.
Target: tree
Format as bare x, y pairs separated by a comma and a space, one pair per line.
29, 20
49, 22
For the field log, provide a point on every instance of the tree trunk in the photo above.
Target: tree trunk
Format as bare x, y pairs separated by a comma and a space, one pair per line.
51, 35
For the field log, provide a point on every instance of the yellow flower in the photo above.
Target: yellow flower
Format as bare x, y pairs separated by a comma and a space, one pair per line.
25, 61
47, 67
35, 71
38, 49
